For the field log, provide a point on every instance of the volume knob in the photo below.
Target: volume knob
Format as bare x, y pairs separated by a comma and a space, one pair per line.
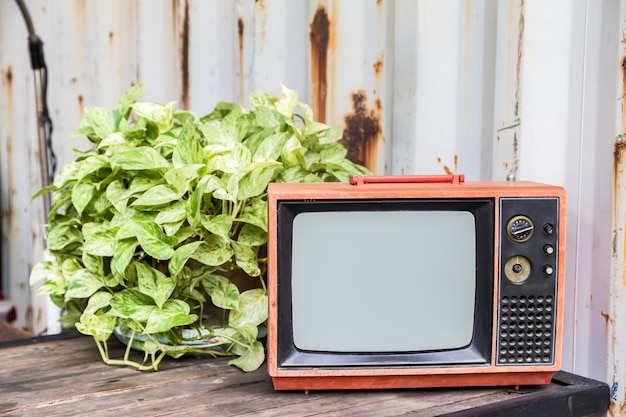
517, 269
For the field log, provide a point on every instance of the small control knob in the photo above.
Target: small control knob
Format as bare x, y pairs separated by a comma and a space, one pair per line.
548, 269
548, 229
548, 249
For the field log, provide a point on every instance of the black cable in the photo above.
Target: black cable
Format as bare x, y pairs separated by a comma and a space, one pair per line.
46, 121
38, 64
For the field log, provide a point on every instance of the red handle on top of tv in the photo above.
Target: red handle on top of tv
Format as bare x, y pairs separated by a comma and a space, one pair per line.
394, 179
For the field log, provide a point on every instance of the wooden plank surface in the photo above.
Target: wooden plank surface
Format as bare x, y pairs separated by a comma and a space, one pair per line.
66, 377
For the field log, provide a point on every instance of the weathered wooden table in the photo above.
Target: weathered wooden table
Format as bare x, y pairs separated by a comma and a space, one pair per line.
65, 377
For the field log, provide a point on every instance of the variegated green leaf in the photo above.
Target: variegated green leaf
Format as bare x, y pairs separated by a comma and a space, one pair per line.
251, 360
175, 313
154, 283
81, 195
219, 225
157, 196
213, 252
223, 292
252, 308
83, 284
122, 255
98, 326
160, 115
140, 158
172, 213
181, 256
40, 271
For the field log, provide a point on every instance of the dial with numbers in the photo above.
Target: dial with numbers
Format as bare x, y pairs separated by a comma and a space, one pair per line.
520, 228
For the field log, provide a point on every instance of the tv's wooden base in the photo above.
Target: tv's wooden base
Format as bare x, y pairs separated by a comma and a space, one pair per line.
334, 382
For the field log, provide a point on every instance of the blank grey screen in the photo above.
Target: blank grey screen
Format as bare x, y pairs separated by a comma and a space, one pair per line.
383, 281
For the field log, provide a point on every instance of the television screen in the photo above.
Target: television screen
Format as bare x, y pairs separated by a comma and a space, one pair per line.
383, 281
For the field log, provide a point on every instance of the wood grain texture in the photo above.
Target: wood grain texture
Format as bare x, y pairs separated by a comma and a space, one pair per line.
66, 377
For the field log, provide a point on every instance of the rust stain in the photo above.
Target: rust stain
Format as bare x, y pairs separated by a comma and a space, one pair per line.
184, 59
362, 131
41, 317
7, 78
240, 31
28, 319
620, 143
8, 89
516, 122
518, 75
174, 14
260, 4
81, 106
606, 317
615, 410
619, 147
378, 66
111, 37
618, 150
79, 6
447, 169
319, 36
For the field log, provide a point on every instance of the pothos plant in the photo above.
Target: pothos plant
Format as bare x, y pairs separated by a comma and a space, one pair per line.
147, 225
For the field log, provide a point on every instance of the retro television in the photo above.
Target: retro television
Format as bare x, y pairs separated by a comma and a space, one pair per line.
413, 281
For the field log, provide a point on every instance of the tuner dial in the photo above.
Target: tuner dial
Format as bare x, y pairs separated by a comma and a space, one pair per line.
517, 269
520, 228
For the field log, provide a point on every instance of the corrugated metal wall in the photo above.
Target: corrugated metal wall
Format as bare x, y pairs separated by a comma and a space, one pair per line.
482, 87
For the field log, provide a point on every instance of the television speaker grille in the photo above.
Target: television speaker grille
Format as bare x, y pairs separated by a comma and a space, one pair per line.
526, 330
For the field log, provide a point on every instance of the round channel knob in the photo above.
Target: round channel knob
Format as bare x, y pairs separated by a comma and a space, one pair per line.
520, 228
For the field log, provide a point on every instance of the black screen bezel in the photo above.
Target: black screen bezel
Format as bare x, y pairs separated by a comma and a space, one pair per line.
478, 352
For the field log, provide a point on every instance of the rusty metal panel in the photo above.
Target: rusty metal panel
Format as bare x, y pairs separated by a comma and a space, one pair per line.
443, 96
351, 74
21, 230
483, 87
509, 49
615, 314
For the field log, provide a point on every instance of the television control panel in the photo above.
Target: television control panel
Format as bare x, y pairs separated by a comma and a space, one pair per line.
528, 271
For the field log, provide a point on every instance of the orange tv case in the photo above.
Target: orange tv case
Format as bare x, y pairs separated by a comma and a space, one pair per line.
506, 364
